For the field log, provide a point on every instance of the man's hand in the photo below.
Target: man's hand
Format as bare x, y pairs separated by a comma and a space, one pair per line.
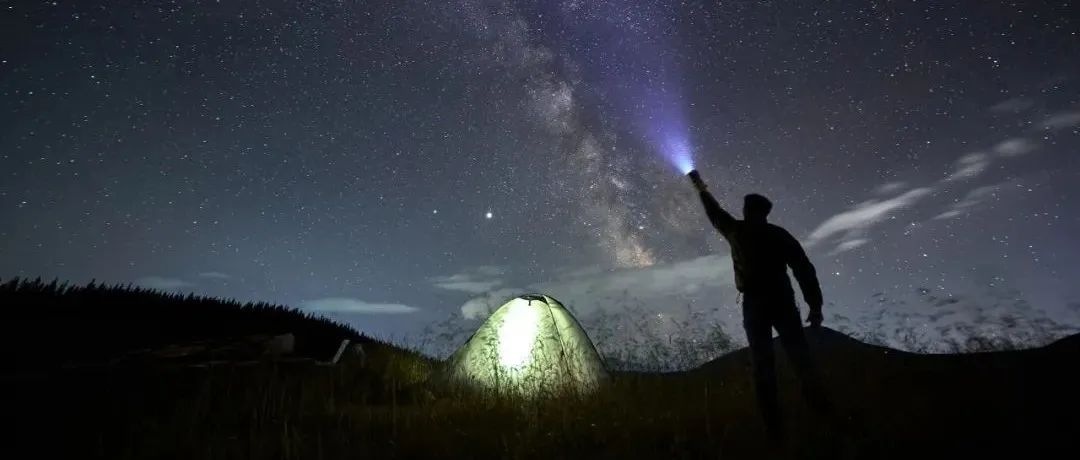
815, 318
698, 183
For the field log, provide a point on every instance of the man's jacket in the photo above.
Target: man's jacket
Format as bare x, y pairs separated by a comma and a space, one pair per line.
761, 253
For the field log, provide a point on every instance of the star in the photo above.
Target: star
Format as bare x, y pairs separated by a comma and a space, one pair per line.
312, 170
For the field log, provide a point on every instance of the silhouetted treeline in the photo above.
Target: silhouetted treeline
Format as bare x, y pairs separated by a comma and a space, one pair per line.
46, 324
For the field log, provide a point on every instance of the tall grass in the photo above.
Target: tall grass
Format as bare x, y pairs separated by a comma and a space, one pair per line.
393, 406
382, 411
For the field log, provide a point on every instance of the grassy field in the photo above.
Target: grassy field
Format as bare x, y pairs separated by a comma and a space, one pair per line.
895, 405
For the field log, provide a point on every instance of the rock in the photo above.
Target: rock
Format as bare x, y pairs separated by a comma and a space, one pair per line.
284, 344
347, 351
356, 355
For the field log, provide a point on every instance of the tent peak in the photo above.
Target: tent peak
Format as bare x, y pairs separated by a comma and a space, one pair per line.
529, 347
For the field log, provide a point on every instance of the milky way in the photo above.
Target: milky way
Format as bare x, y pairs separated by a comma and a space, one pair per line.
389, 163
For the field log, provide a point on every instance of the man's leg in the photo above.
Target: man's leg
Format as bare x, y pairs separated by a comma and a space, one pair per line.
788, 324
758, 326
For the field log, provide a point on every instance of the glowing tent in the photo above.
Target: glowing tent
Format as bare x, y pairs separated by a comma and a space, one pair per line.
530, 345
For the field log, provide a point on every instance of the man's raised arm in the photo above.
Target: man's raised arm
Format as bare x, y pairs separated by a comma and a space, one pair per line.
717, 215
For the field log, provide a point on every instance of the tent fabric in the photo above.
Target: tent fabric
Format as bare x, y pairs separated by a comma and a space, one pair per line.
532, 344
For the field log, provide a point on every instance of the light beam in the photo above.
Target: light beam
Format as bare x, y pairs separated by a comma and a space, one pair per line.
677, 152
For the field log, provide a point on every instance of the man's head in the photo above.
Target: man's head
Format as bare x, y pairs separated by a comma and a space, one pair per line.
756, 208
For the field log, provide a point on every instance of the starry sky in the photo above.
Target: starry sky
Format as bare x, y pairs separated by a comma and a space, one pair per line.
389, 163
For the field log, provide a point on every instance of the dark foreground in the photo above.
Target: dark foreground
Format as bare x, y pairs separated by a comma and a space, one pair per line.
61, 398
898, 406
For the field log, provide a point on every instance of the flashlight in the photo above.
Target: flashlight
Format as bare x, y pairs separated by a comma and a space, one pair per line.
696, 179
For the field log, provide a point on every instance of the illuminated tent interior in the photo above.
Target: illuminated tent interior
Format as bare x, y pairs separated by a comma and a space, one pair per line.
530, 345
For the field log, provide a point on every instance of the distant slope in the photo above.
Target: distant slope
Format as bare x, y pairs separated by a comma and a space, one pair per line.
826, 343
833, 347
47, 324
1020, 400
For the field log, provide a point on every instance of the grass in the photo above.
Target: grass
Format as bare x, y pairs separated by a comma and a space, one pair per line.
898, 408
896, 405
274, 411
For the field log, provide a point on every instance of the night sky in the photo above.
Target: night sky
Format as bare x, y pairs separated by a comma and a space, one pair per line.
390, 163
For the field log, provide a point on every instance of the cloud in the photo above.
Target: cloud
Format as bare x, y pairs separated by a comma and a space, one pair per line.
215, 275
162, 283
969, 166
1014, 147
973, 197
475, 287
659, 285
1061, 120
666, 279
890, 188
1014, 105
853, 223
350, 305
477, 280
949, 214
848, 245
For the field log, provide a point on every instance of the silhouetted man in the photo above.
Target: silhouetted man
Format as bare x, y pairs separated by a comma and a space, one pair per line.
761, 253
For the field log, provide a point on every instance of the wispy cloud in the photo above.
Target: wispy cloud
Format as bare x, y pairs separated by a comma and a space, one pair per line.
852, 224
1061, 120
1013, 105
163, 283
969, 166
1014, 147
351, 305
469, 286
848, 245
850, 227
215, 275
660, 285
974, 197
889, 188
476, 280
974, 164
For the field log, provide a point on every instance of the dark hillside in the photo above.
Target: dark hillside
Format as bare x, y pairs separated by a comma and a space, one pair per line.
1021, 401
51, 324
1013, 403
